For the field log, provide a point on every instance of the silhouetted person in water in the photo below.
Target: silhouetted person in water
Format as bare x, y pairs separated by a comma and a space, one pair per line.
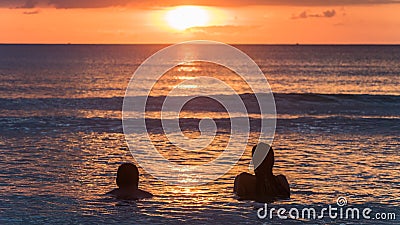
128, 184
264, 186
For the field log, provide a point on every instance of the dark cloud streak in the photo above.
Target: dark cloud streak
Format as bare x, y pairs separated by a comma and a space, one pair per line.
158, 3
220, 29
31, 12
325, 14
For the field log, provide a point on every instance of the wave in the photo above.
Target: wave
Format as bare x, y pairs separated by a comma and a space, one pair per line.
47, 125
291, 104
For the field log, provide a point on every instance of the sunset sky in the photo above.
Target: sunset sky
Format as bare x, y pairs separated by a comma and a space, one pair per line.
233, 21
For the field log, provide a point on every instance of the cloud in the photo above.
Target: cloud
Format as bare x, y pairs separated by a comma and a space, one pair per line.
325, 14
31, 12
329, 13
302, 15
158, 3
231, 29
89, 3
29, 4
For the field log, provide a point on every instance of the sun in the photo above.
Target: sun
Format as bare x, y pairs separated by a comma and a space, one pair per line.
183, 17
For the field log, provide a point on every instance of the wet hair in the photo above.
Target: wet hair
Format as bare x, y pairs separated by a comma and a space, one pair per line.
127, 175
265, 168
267, 187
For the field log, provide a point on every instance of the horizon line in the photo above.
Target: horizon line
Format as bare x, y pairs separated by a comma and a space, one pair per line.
68, 43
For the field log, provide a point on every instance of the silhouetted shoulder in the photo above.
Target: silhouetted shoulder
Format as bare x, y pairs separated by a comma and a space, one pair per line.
144, 194
112, 192
245, 186
127, 194
281, 179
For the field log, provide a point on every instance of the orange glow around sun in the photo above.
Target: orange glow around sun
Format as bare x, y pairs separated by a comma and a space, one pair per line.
183, 17
170, 23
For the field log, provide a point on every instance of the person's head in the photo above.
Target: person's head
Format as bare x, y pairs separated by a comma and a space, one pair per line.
127, 175
265, 168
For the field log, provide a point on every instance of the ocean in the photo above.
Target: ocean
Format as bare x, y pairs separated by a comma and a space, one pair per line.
61, 136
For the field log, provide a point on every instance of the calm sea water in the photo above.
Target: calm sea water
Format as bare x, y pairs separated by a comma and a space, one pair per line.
61, 139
